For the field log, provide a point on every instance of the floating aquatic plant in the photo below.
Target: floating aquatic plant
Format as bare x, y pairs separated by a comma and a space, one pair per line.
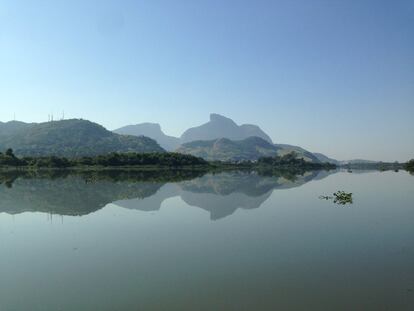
325, 197
342, 197
339, 197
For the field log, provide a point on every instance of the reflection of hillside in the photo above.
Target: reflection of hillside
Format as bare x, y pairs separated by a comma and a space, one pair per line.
152, 203
80, 193
322, 174
220, 206
222, 194
8, 177
68, 196
249, 183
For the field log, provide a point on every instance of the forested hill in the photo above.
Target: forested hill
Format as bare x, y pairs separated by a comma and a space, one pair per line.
224, 149
251, 148
69, 138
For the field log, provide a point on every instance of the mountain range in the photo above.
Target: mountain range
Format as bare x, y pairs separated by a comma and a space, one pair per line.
218, 139
218, 127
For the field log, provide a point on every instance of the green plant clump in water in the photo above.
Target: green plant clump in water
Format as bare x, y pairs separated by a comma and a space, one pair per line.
339, 197
342, 197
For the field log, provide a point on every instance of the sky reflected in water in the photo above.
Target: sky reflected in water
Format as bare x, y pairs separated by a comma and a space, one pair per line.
228, 241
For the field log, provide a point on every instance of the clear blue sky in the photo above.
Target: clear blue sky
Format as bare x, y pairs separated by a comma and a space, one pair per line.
333, 76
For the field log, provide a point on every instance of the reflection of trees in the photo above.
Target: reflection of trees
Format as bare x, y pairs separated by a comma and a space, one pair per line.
222, 194
98, 175
71, 195
82, 192
77, 192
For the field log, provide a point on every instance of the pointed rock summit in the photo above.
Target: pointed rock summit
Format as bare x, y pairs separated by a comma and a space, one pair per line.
214, 117
223, 127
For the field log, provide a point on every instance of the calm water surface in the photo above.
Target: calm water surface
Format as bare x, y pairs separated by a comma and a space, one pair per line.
230, 241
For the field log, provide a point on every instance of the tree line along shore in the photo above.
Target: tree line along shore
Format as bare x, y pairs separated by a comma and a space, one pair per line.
141, 160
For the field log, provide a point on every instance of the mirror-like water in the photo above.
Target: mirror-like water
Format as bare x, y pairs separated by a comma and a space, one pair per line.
188, 241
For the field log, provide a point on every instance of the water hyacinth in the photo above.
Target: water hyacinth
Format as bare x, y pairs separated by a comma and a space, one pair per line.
339, 197
342, 197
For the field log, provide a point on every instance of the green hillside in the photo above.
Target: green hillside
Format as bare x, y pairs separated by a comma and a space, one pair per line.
8, 128
325, 159
224, 149
251, 148
70, 138
300, 152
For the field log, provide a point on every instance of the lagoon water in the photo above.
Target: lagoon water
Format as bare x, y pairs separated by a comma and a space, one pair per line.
228, 241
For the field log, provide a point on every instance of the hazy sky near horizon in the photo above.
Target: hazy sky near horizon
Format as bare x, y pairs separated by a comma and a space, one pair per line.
332, 76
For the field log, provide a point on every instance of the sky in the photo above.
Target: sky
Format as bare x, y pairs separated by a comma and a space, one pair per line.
332, 76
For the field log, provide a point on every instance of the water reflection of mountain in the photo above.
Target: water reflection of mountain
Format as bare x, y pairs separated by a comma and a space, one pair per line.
220, 194
68, 196
78, 193
151, 203
223, 194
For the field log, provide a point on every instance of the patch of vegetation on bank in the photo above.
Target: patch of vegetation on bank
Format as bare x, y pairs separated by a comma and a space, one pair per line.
154, 160
291, 160
130, 159
380, 166
409, 166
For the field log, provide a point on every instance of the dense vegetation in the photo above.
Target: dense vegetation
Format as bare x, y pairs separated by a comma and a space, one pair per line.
165, 159
409, 166
69, 138
300, 153
224, 149
110, 160
382, 166
249, 149
9, 159
291, 160
142, 159
8, 177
